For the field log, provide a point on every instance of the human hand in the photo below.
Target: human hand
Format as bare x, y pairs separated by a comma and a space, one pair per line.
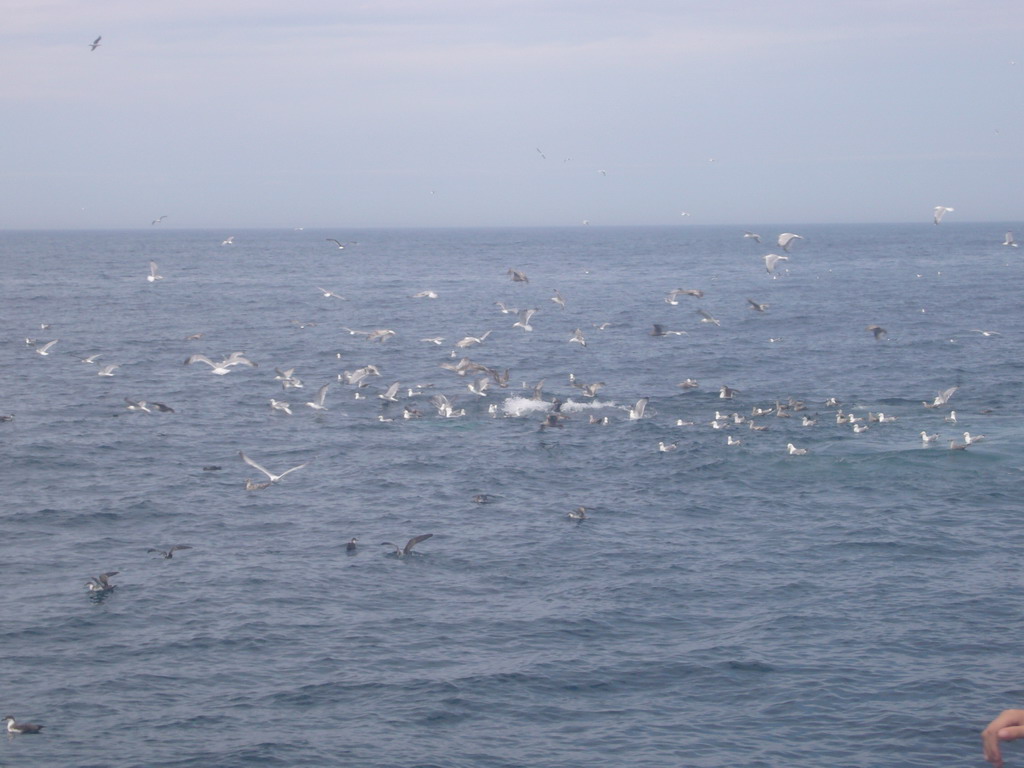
1009, 725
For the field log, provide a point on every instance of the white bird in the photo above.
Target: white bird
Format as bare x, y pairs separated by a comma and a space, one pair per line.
772, 259
786, 239
434, 340
1009, 240
794, 451
280, 405
558, 299
391, 393
524, 319
730, 440
637, 411
926, 438
444, 407
972, 439
479, 387
270, 475
317, 403
224, 366
107, 370
939, 212
706, 317
45, 349
469, 341
425, 295
941, 399
664, 447
753, 236
328, 294
578, 338
228, 241
153, 275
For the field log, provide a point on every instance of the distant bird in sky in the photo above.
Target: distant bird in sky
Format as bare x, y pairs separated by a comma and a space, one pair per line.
939, 212
753, 236
158, 219
95, 43
772, 259
786, 240
1009, 240
332, 240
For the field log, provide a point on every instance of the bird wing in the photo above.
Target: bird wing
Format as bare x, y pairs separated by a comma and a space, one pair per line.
179, 547
945, 395
292, 469
200, 358
254, 465
414, 541
47, 345
321, 394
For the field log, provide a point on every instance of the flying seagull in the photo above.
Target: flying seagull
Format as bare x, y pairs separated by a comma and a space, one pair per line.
95, 43
403, 551
756, 306
941, 399
753, 236
167, 554
939, 212
706, 317
786, 240
45, 349
1009, 240
517, 276
158, 219
224, 366
879, 331
332, 240
273, 478
317, 403
772, 259
153, 275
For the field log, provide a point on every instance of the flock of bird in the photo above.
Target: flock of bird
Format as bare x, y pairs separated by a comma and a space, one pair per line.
483, 381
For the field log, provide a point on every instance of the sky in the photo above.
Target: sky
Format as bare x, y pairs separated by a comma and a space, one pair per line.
407, 113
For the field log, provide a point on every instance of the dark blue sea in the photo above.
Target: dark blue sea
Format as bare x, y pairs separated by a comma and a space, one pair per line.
720, 605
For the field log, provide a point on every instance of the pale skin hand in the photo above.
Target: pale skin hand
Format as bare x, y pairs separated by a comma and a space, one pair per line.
1009, 725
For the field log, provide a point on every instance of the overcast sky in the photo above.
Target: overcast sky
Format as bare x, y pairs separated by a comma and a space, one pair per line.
353, 113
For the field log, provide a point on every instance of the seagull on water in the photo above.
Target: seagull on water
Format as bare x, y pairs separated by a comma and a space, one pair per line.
101, 583
273, 478
425, 295
12, 725
637, 411
351, 546
403, 551
168, 554
794, 451
926, 438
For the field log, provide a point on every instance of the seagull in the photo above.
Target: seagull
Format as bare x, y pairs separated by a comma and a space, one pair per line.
469, 341
279, 405
757, 307
688, 384
580, 513
637, 411
391, 393
251, 485
951, 418
169, 553
403, 551
45, 349
517, 276
351, 546
970, 439
100, 584
794, 451
15, 727
955, 446
329, 294
107, 370
224, 366
926, 438
706, 317
95, 43
332, 240
577, 337
772, 259
524, 319
92, 358
985, 333
162, 408
673, 295
558, 299
939, 212
228, 241
786, 239
941, 399
153, 276
137, 405
664, 447
425, 295
727, 393
879, 331
479, 387
444, 407
273, 478
730, 440
505, 309
317, 403
158, 219
1009, 240
753, 236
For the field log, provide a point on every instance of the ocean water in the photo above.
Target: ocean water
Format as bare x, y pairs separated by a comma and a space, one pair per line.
860, 605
